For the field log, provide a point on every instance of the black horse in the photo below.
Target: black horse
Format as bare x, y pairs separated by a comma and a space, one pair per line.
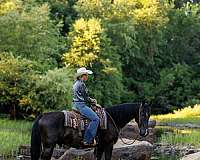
49, 130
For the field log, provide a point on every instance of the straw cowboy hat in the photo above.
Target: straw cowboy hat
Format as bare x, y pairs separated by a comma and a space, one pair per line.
82, 71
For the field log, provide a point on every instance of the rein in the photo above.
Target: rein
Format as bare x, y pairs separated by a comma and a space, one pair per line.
118, 130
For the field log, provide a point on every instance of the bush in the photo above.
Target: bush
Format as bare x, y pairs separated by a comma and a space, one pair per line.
26, 90
52, 91
16, 76
176, 84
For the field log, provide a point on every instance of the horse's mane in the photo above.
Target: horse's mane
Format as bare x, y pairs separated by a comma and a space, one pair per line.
123, 113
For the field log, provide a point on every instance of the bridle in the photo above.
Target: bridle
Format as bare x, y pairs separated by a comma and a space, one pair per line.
118, 130
139, 116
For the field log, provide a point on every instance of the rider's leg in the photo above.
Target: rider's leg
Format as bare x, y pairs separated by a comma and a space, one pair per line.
91, 130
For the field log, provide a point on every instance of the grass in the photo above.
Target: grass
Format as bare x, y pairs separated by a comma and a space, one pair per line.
174, 136
12, 135
15, 124
181, 137
185, 115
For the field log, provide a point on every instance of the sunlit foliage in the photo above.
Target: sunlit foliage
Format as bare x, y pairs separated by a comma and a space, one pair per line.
85, 43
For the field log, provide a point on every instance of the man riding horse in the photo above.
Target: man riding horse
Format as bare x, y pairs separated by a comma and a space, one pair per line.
80, 100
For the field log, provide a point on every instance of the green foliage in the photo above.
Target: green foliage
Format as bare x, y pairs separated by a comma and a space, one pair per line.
62, 11
177, 84
15, 80
135, 28
117, 19
138, 49
28, 32
183, 36
25, 90
105, 10
52, 91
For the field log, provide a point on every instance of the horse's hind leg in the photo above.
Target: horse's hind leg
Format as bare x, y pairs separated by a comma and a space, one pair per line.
47, 152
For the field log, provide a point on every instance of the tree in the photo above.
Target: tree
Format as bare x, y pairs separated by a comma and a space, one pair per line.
90, 47
8, 6
85, 43
182, 31
62, 11
28, 32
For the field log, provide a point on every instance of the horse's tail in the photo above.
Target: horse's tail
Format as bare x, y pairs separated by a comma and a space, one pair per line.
35, 140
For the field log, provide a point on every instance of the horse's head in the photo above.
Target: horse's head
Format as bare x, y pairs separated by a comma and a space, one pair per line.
143, 118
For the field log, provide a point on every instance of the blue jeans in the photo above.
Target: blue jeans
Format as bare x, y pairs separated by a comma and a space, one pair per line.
91, 130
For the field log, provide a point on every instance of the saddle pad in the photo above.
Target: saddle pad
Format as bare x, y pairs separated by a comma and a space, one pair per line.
77, 121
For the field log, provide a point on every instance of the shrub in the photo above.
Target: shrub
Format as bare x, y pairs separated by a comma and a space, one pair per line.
52, 91
16, 76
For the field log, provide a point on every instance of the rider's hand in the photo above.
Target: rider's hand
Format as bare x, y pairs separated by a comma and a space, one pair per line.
93, 101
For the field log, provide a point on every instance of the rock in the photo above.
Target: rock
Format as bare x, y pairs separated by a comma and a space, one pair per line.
80, 154
140, 150
131, 131
169, 149
194, 156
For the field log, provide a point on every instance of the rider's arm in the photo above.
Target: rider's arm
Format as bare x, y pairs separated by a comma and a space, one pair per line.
85, 94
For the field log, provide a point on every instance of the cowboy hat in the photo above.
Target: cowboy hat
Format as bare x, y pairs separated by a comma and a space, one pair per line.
82, 71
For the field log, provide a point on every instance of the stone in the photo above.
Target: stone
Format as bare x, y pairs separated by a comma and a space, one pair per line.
194, 156
80, 154
131, 131
140, 150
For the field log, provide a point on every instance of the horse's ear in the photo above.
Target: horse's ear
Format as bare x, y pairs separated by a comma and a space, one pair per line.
145, 102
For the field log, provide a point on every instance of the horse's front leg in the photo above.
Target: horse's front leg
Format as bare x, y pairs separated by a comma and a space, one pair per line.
98, 152
108, 151
47, 152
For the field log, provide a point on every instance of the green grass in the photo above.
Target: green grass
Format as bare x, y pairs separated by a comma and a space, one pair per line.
174, 136
181, 137
13, 134
185, 115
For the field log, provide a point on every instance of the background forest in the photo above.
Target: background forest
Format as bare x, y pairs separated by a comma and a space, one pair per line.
137, 49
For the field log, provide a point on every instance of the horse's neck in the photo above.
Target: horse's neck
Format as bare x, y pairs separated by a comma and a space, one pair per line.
123, 114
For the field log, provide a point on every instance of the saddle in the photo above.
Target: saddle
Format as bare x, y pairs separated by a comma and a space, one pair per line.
75, 120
